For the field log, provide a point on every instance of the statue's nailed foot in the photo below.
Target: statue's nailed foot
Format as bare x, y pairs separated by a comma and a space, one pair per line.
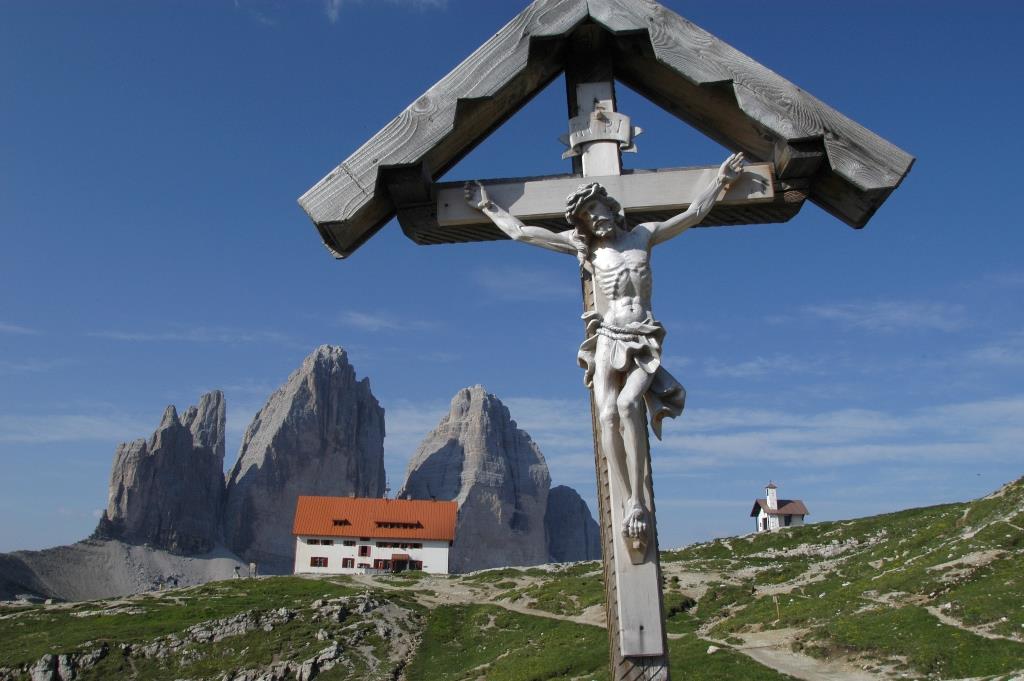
635, 531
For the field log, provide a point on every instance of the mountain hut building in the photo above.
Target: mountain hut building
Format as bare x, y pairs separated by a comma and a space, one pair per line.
349, 535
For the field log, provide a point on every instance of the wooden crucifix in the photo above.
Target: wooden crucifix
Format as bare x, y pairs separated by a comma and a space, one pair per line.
609, 218
622, 351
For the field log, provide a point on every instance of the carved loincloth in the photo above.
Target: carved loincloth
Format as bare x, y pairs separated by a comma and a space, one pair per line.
637, 344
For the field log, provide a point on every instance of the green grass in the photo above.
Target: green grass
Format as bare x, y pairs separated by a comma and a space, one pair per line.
910, 559
993, 594
28, 636
929, 646
565, 593
502, 574
483, 641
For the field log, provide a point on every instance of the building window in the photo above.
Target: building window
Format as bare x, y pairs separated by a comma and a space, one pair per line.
318, 561
381, 564
348, 562
363, 565
341, 522
364, 551
400, 526
327, 542
788, 519
313, 542
416, 546
349, 542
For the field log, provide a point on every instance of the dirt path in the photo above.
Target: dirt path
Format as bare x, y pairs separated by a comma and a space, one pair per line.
451, 592
980, 631
772, 649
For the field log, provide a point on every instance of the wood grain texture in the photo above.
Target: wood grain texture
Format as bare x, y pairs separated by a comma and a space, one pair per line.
444, 123
669, 190
722, 92
776, 109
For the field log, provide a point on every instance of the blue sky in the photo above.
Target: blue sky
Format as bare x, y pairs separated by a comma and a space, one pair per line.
151, 155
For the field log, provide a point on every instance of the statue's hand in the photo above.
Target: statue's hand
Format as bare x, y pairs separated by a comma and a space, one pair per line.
731, 169
476, 195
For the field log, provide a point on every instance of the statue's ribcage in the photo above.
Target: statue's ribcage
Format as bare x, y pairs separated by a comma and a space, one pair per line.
624, 275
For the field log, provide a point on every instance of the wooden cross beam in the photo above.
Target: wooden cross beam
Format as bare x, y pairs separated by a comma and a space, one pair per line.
437, 214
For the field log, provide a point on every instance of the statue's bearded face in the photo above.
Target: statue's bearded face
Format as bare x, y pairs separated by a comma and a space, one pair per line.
597, 217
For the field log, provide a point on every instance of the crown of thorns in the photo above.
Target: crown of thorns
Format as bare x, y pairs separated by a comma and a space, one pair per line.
585, 193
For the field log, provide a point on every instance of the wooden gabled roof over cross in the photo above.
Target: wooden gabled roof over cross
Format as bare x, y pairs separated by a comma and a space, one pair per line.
815, 151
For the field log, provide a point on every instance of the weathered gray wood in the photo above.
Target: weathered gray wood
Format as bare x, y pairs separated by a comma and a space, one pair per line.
444, 123
637, 641
638, 588
863, 163
543, 199
797, 158
724, 93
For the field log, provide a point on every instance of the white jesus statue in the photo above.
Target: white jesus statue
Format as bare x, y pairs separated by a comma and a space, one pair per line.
622, 351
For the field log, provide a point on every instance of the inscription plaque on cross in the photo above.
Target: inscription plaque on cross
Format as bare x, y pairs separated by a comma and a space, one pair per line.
795, 148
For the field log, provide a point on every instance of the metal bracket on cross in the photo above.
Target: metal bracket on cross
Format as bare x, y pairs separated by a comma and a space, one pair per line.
600, 126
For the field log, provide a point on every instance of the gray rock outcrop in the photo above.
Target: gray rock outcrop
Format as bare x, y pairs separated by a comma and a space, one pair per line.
104, 568
572, 532
167, 491
321, 433
480, 458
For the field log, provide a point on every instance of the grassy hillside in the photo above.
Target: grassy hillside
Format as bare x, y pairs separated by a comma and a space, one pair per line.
929, 593
932, 593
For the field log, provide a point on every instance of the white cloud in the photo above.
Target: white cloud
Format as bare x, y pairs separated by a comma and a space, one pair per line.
406, 424
49, 428
1007, 279
197, 334
890, 316
1008, 352
375, 321
983, 432
333, 7
759, 366
527, 283
16, 329
30, 366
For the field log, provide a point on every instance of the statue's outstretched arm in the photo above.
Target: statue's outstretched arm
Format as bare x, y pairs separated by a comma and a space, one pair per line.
699, 209
476, 196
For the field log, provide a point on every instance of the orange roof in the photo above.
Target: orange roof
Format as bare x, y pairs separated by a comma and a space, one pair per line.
375, 518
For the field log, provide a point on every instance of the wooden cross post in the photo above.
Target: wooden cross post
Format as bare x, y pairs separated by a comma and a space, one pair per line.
637, 642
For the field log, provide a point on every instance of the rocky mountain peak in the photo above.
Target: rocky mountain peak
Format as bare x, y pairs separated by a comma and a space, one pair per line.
479, 457
321, 433
167, 491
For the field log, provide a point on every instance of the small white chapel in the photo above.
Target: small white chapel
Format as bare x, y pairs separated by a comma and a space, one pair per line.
773, 513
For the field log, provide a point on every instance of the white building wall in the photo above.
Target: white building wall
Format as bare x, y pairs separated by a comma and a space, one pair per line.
776, 522
433, 555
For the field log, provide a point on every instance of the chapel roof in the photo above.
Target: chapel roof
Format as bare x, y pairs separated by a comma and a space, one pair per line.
785, 507
375, 518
